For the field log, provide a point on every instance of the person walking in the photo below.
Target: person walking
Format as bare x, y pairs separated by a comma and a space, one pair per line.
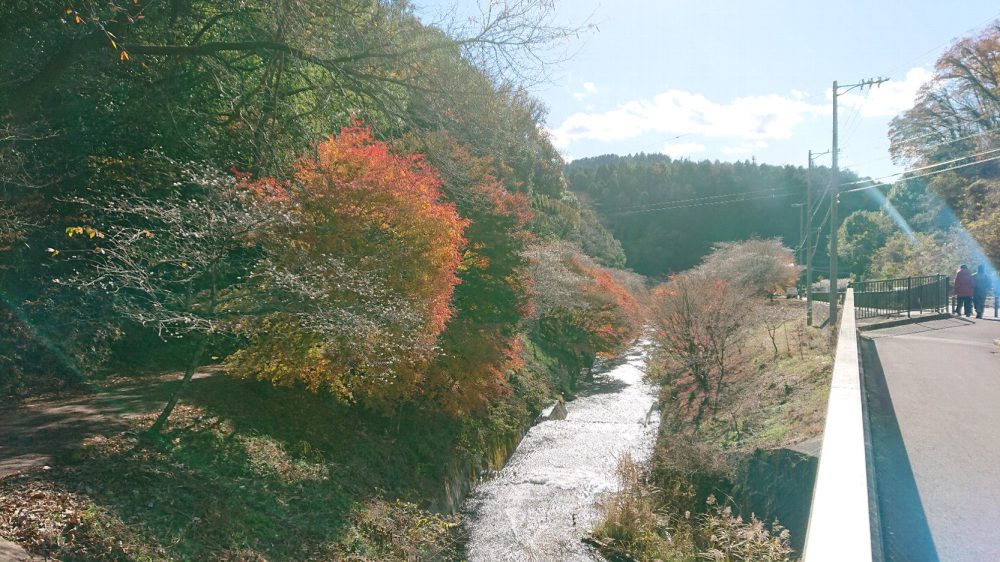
980, 288
963, 290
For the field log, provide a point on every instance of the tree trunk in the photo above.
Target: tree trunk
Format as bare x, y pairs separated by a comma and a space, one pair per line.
188, 374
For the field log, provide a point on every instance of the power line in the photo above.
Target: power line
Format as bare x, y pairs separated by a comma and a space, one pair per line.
705, 204
928, 173
691, 199
935, 145
854, 121
980, 133
672, 201
928, 167
741, 198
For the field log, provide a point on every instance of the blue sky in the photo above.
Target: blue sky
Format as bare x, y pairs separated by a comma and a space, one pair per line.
739, 79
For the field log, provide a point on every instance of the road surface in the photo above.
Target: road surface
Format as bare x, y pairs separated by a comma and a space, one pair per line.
934, 412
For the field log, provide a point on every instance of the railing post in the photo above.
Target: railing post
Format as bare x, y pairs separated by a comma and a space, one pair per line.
908, 288
943, 280
947, 294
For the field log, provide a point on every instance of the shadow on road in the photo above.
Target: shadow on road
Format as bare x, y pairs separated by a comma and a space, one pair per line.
39, 433
874, 331
904, 531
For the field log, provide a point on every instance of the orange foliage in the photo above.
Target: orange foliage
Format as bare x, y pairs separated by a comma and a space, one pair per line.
615, 315
370, 264
480, 345
374, 199
268, 189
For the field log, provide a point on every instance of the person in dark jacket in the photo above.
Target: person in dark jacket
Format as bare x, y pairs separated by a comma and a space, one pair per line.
980, 288
963, 290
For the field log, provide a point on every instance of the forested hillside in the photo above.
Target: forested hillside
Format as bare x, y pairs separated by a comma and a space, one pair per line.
326, 197
668, 213
232, 173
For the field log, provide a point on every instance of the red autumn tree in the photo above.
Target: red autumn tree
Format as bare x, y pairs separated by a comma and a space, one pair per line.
583, 309
365, 274
480, 346
701, 332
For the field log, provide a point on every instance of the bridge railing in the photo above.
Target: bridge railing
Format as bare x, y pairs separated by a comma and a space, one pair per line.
892, 297
840, 520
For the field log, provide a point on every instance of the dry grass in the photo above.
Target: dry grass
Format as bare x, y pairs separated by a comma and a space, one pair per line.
775, 396
727, 537
631, 521
776, 399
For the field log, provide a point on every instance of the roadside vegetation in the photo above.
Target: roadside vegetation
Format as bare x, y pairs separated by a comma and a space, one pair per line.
739, 372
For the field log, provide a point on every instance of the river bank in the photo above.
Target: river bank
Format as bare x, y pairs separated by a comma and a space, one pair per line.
247, 471
545, 500
731, 476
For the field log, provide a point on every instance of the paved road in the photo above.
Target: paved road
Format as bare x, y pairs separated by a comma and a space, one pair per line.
934, 411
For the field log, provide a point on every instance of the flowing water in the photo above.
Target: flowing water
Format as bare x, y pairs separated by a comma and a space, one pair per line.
540, 506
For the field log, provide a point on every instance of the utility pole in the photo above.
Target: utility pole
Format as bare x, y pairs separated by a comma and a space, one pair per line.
800, 254
810, 246
834, 200
835, 194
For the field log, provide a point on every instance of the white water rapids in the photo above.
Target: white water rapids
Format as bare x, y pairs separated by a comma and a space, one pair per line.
540, 506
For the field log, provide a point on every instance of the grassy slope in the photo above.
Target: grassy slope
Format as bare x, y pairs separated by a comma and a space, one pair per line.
776, 399
251, 472
773, 400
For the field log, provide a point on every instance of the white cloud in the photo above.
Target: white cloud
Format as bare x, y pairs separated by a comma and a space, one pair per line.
588, 88
678, 112
890, 98
682, 149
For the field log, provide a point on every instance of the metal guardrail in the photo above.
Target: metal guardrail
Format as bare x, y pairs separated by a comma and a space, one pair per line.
839, 521
891, 297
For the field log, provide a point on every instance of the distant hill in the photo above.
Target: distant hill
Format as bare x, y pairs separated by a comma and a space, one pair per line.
668, 213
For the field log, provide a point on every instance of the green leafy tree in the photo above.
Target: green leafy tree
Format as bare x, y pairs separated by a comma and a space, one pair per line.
861, 234
919, 206
938, 252
668, 214
92, 87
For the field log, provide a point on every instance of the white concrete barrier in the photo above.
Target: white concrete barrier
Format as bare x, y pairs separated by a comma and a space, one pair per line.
839, 521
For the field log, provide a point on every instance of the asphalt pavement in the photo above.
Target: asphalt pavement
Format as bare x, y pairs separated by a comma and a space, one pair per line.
934, 415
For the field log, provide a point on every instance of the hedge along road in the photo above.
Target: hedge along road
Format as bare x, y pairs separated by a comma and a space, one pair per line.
545, 500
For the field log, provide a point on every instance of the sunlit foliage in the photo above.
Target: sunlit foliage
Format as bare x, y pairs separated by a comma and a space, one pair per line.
584, 308
366, 274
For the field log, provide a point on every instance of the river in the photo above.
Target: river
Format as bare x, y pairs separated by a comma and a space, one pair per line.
544, 501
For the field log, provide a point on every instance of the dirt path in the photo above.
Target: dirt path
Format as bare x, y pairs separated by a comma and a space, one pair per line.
36, 432
10, 552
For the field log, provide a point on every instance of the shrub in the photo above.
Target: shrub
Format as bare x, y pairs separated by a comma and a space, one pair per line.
631, 521
728, 538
